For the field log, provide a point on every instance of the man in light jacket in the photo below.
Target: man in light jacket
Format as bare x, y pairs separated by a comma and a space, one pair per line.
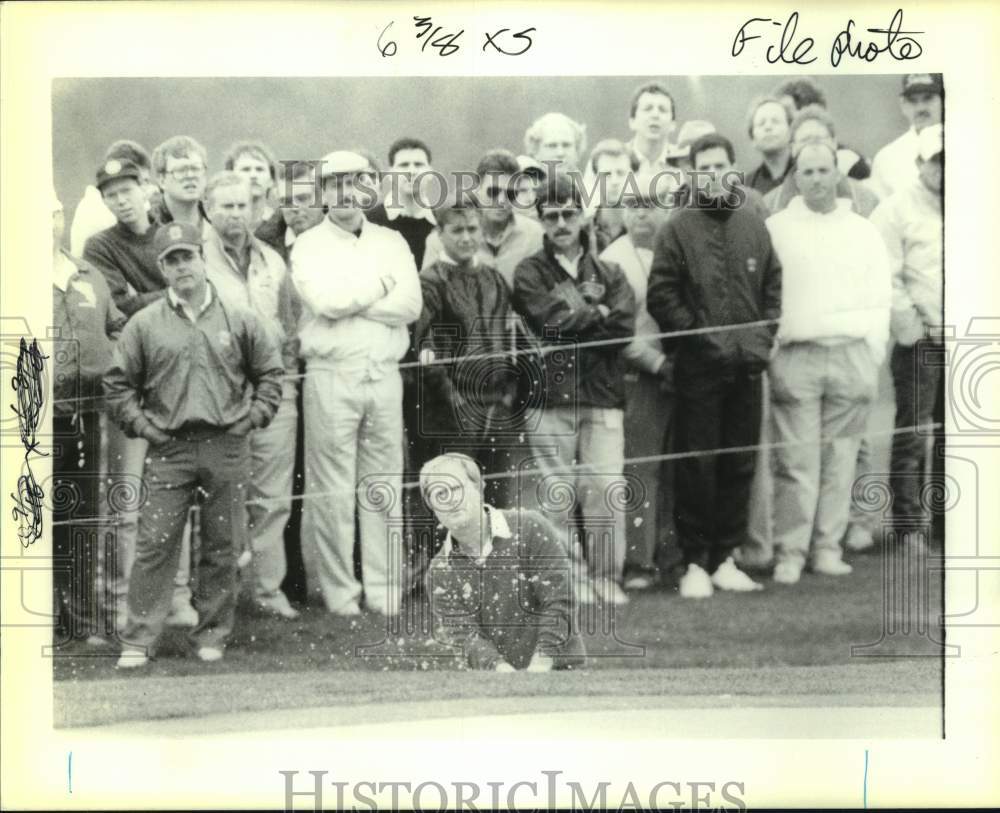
359, 288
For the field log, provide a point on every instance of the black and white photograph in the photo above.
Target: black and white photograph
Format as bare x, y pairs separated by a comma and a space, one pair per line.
364, 400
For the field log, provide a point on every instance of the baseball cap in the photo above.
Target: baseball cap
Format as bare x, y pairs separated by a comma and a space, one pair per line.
930, 141
176, 235
343, 162
922, 83
115, 168
690, 132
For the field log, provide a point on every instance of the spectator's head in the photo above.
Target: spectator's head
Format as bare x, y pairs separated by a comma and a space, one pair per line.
228, 200
560, 210
498, 170
812, 124
532, 175
306, 205
120, 185
459, 229
643, 213
691, 131
712, 157
180, 257
408, 157
452, 486
922, 99
612, 160
930, 158
768, 121
125, 150
556, 137
651, 112
799, 93
180, 165
347, 187
374, 172
816, 175
256, 163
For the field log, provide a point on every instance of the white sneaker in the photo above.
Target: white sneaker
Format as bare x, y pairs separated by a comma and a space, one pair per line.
277, 605
209, 654
729, 577
132, 658
829, 563
583, 589
183, 615
347, 611
610, 592
787, 572
695, 583
639, 582
858, 538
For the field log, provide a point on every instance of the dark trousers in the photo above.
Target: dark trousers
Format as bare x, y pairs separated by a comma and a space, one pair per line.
218, 464
918, 389
716, 409
75, 498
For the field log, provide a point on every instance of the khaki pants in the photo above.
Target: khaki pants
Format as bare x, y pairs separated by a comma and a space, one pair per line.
820, 399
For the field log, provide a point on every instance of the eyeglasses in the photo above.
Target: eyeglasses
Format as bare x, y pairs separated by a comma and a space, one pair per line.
498, 192
637, 203
189, 171
553, 216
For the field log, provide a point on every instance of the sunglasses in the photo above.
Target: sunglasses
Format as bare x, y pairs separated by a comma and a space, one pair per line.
498, 192
553, 216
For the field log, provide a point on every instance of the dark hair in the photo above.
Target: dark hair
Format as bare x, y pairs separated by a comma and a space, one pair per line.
558, 188
498, 161
651, 87
257, 150
407, 143
126, 150
711, 141
802, 92
452, 207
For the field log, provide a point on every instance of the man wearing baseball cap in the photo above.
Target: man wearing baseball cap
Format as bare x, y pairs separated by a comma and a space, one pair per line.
193, 375
922, 102
912, 223
359, 288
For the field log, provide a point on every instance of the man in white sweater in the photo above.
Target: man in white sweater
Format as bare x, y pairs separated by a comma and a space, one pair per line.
359, 287
836, 296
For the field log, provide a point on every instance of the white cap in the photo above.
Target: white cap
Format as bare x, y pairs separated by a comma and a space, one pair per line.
690, 132
930, 141
343, 162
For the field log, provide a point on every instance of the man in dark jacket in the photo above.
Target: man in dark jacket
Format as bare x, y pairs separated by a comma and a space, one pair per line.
568, 296
713, 267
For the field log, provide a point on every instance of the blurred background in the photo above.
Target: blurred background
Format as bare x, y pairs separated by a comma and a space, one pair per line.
458, 117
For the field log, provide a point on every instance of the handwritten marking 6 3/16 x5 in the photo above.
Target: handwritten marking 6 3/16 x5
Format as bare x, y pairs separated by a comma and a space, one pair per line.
27, 383
446, 43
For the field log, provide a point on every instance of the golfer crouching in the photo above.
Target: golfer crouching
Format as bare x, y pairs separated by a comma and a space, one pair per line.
500, 587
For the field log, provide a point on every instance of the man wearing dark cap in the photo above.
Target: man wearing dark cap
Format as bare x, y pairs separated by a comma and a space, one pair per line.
193, 375
126, 255
895, 165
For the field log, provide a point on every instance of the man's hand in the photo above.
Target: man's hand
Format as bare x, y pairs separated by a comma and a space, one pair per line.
155, 436
503, 666
241, 428
540, 663
604, 309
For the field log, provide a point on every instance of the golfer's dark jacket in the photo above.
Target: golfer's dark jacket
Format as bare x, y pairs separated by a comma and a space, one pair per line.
516, 602
715, 267
563, 311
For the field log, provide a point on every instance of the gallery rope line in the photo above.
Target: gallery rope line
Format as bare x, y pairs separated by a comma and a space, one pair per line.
534, 474
534, 351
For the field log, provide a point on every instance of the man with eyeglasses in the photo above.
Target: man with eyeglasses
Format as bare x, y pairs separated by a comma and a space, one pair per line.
649, 395
180, 164
567, 295
508, 236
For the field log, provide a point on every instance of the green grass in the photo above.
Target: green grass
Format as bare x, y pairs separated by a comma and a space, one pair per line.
785, 640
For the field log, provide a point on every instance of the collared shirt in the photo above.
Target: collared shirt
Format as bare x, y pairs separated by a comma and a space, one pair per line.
185, 306
498, 529
175, 372
570, 266
347, 316
763, 180
649, 166
521, 238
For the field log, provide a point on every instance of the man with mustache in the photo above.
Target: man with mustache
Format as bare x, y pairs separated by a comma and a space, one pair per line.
895, 165
246, 272
566, 294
